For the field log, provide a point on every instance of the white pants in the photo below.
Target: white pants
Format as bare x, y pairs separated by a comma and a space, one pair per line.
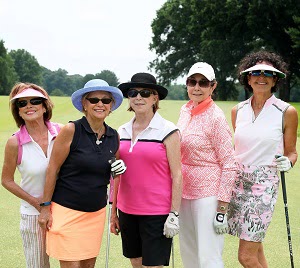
200, 246
34, 244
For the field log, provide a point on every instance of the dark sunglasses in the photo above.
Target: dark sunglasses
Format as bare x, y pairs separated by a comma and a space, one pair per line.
201, 83
262, 72
23, 103
145, 93
96, 100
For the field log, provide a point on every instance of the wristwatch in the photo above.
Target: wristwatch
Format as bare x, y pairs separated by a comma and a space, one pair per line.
175, 213
45, 204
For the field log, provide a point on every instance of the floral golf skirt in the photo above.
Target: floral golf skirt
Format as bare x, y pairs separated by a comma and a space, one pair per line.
253, 201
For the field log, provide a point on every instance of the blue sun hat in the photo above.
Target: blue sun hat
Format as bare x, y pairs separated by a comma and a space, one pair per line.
95, 85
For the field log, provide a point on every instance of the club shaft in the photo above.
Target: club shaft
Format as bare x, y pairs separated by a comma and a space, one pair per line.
173, 258
108, 235
287, 217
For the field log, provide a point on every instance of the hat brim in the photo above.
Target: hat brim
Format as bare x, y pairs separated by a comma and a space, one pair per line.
29, 92
162, 91
78, 94
264, 67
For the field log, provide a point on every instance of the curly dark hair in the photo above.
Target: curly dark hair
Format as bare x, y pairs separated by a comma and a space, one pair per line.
253, 58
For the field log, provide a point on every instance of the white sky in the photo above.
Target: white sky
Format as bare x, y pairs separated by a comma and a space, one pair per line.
82, 36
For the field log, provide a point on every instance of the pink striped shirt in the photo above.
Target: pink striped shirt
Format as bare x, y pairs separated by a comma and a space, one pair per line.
207, 156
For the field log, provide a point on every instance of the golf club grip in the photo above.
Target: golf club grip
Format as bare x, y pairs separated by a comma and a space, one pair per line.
283, 187
287, 217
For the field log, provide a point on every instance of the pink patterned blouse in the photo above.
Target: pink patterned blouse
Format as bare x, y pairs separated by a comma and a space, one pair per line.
207, 156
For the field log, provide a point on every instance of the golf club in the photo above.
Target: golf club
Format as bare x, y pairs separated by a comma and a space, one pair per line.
110, 201
287, 217
173, 258
282, 175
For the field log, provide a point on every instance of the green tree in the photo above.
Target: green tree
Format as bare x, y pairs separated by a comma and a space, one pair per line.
177, 92
221, 32
107, 75
8, 76
57, 92
60, 80
26, 66
87, 78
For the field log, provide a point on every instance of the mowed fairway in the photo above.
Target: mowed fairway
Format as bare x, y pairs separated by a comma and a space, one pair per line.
276, 245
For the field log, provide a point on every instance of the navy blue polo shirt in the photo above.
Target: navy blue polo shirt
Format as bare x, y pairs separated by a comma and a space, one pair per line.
84, 176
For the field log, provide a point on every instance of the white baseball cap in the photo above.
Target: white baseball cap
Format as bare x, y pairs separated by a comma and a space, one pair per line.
204, 69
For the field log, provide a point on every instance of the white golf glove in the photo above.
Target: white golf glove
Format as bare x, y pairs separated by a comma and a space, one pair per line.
118, 167
220, 223
171, 227
283, 163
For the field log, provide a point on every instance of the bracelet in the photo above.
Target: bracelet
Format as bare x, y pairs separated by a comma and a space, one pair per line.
222, 208
45, 204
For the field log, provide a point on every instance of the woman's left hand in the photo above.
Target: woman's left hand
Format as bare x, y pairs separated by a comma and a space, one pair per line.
220, 223
283, 163
118, 167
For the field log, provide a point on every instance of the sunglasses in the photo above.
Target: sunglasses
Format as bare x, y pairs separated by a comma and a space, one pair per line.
23, 103
201, 83
96, 100
262, 72
145, 93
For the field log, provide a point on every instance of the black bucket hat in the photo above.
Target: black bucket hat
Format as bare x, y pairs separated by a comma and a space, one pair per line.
143, 80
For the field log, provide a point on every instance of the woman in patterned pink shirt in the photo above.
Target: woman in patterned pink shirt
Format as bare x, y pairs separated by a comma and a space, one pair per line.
208, 172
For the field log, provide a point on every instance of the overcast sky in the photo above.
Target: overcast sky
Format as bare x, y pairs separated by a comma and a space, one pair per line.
82, 36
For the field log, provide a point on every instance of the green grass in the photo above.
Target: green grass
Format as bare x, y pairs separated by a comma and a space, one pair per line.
276, 246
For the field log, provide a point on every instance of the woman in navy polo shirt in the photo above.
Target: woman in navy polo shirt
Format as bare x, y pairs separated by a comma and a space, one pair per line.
78, 175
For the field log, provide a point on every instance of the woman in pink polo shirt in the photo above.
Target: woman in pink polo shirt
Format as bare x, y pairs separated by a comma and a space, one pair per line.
147, 196
208, 172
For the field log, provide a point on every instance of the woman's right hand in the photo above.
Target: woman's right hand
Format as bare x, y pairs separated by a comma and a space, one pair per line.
45, 218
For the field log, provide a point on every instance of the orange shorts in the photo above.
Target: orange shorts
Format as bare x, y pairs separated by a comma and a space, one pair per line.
75, 235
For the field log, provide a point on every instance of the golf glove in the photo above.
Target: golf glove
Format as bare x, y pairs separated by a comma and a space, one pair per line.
171, 227
118, 167
220, 223
283, 163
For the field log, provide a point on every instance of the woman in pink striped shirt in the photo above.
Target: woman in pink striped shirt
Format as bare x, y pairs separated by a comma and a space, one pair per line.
208, 172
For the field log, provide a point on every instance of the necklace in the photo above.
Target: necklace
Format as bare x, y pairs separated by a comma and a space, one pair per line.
99, 141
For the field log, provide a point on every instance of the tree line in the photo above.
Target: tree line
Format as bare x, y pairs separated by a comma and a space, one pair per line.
20, 66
